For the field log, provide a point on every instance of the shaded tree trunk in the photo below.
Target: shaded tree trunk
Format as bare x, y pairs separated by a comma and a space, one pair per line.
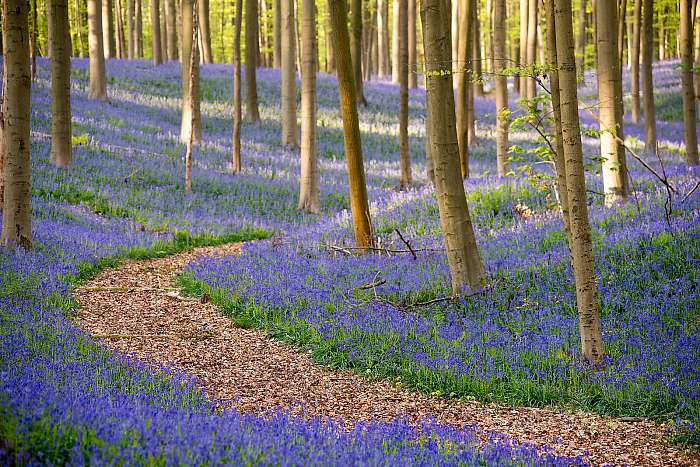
191, 123
500, 63
454, 42
464, 52
119, 30
330, 56
466, 268
359, 204
205, 31
155, 33
383, 37
139, 28
478, 88
60, 84
277, 20
98, 81
621, 25
412, 69
689, 117
522, 86
309, 178
356, 49
581, 39
192, 98
170, 17
251, 60
395, 43
289, 89
237, 104
634, 64
404, 156
531, 44
647, 78
108, 29
130, 29
34, 34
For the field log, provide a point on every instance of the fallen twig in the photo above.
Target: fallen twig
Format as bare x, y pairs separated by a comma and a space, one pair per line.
406, 243
371, 285
692, 190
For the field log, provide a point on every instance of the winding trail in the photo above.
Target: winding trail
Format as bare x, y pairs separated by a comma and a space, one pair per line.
136, 308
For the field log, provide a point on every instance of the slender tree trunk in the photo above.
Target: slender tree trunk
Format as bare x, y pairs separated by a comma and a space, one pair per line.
621, 25
98, 81
356, 49
454, 42
647, 77
630, 32
689, 117
581, 39
330, 55
16, 218
395, 43
237, 111
359, 205
155, 33
405, 157
634, 64
523, 46
192, 92
478, 88
309, 198
32, 43
277, 20
191, 123
130, 27
463, 84
163, 31
531, 44
172, 29
374, 62
696, 76
251, 59
81, 23
610, 103
412, 68
581, 247
108, 29
139, 28
289, 89
119, 31
500, 64
60, 85
466, 268
383, 37
205, 31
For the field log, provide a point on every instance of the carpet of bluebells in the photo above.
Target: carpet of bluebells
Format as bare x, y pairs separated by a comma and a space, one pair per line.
66, 399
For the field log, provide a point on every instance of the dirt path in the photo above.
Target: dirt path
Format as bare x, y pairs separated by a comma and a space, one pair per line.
135, 308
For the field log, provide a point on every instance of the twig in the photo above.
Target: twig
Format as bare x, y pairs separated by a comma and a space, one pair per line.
371, 285
406, 243
692, 190
348, 249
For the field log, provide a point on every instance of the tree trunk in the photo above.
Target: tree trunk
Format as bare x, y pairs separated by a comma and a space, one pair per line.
383, 37
523, 47
581, 247
395, 43
98, 81
610, 103
621, 24
60, 84
205, 31
108, 29
581, 40
500, 63
466, 268
308, 180
463, 83
34, 34
155, 33
16, 218
130, 28
647, 77
412, 68
634, 64
192, 90
330, 54
251, 59
356, 49
454, 42
696, 76
289, 91
351, 126
163, 31
689, 117
191, 123
139, 28
531, 45
237, 111
119, 32
478, 88
170, 16
277, 26
405, 157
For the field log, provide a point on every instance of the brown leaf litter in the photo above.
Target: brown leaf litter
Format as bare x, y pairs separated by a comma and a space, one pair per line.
136, 308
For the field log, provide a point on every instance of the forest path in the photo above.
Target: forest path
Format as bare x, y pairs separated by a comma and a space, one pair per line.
136, 308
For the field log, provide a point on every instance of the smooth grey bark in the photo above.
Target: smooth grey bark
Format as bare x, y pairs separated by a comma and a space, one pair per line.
251, 60
60, 84
98, 81
289, 88
237, 104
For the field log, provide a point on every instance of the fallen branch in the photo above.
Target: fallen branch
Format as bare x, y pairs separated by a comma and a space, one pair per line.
410, 248
371, 285
692, 190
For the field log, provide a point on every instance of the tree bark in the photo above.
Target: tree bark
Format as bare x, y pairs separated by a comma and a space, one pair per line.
330, 55
277, 26
130, 29
522, 86
454, 42
647, 77
531, 45
163, 31
463, 83
581, 39
16, 217
356, 49
139, 28
610, 103
192, 90
581, 246
466, 268
191, 123
621, 25
155, 33
98, 81
309, 198
634, 64
170, 17
395, 43
404, 156
251, 60
478, 87
237, 104
412, 68
34, 34
205, 31
351, 127
689, 117
383, 37
60, 84
108, 29
119, 31
289, 91
500, 63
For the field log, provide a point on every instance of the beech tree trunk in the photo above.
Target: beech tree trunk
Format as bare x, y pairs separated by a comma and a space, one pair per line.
647, 78
356, 50
289, 88
205, 31
478, 87
108, 29
309, 198
192, 99
610, 103
237, 111
155, 33
98, 81
359, 204
251, 60
130, 29
454, 41
330, 55
163, 31
34, 34
191, 123
634, 64
689, 117
16, 217
523, 46
500, 63
466, 268
395, 43
581, 40
60, 84
383, 37
581, 246
412, 69
621, 26
404, 156
463, 83
119, 30
277, 26
170, 18
139, 28
531, 45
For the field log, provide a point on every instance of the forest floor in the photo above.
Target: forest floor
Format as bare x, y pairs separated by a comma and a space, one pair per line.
137, 308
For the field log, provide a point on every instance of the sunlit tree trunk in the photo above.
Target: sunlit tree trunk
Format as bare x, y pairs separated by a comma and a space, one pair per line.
581, 39
98, 81
34, 34
130, 29
237, 111
634, 64
478, 87
383, 37
119, 30
170, 17
523, 46
205, 31
412, 69
308, 180
16, 217
647, 77
163, 31
139, 28
60, 84
581, 246
289, 88
356, 49
463, 83
277, 26
191, 102
621, 26
696, 76
610, 103
405, 157
108, 29
689, 117
359, 204
191, 124
500, 63
454, 42
531, 44
251, 60
466, 268
395, 43
155, 33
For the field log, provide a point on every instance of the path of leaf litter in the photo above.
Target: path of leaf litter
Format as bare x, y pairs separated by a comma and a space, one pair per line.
136, 308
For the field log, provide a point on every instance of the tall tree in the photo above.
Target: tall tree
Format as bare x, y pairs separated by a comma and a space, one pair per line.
610, 103
155, 33
191, 100
500, 63
581, 39
16, 217
466, 268
119, 29
412, 71
395, 42
634, 63
98, 80
689, 116
170, 18
277, 20
359, 204
356, 49
289, 88
581, 246
330, 55
309, 179
251, 59
478, 86
205, 31
621, 26
60, 84
464, 52
139, 28
383, 37
108, 41
522, 79
191, 123
531, 44
34, 34
237, 111
647, 77
404, 156
130, 29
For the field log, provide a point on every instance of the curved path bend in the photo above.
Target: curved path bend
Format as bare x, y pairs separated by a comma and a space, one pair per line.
136, 308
